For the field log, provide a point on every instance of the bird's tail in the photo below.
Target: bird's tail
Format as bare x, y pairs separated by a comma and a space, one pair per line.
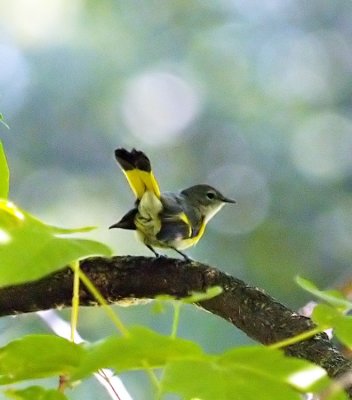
137, 169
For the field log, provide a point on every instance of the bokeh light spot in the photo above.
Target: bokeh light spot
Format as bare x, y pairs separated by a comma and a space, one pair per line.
295, 68
307, 377
10, 208
33, 22
158, 106
322, 146
5, 238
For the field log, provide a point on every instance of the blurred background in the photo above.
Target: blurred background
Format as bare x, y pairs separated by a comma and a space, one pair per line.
253, 97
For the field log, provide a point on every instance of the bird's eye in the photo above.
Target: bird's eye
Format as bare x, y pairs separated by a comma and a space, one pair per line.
211, 195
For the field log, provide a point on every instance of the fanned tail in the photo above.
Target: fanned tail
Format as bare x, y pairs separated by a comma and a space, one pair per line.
137, 169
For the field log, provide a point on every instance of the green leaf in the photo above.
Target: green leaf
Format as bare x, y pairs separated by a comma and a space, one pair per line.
158, 306
2, 121
244, 372
325, 315
30, 249
4, 174
35, 393
206, 381
38, 356
332, 297
329, 317
196, 297
193, 298
343, 330
281, 367
66, 231
142, 349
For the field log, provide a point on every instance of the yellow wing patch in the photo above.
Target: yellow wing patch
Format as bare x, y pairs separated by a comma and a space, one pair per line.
183, 217
185, 243
200, 233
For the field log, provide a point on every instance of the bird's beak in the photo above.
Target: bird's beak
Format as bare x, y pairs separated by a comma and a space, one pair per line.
227, 200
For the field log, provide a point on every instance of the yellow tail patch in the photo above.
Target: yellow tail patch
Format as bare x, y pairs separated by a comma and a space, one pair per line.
142, 181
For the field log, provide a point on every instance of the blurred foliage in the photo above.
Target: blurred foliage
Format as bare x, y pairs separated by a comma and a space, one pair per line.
35, 392
30, 249
187, 370
253, 97
4, 174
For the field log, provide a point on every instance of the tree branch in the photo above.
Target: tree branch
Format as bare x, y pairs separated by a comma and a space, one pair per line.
122, 278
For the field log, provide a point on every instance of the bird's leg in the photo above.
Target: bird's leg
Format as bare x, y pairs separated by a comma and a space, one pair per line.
185, 256
155, 253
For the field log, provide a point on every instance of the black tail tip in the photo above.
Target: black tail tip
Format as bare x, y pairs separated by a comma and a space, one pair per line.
121, 153
132, 159
125, 158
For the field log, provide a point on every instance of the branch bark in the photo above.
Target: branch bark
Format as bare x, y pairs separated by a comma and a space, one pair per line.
123, 278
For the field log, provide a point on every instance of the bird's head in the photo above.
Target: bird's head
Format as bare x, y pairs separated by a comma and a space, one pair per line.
206, 199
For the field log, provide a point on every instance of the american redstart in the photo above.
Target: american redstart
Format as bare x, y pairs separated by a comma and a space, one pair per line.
166, 220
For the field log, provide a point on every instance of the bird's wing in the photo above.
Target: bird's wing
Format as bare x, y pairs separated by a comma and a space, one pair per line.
173, 231
175, 223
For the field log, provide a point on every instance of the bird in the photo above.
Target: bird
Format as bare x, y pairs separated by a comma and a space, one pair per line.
169, 220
